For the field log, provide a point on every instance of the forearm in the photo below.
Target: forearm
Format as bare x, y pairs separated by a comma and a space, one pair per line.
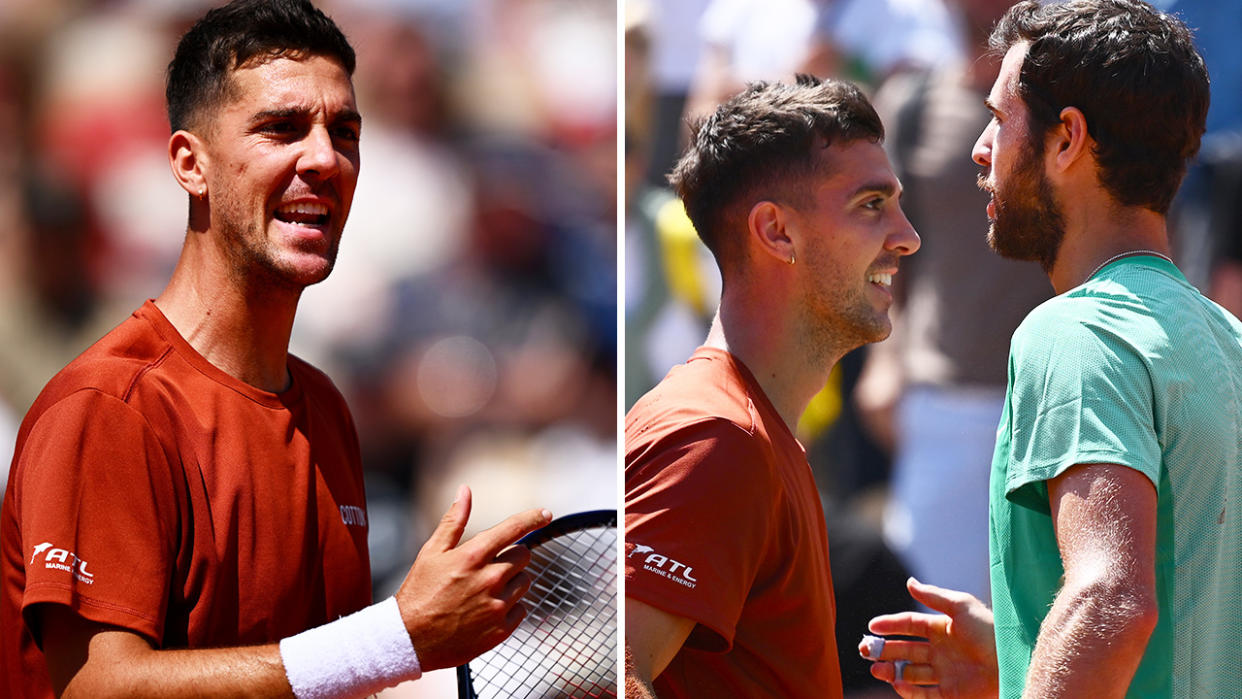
354, 656
255, 671
459, 600
1092, 640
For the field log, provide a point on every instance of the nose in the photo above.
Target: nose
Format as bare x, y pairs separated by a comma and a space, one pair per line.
904, 240
982, 152
319, 159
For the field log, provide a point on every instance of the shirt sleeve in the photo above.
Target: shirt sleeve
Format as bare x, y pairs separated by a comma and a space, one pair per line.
697, 514
97, 515
1081, 394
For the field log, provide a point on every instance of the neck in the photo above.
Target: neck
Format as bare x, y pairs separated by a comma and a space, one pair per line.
1097, 240
240, 328
776, 350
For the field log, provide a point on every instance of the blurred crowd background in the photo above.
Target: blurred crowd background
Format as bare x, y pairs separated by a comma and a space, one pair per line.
471, 320
901, 437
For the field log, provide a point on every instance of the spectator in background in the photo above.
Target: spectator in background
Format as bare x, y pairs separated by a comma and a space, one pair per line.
672, 59
1206, 220
881, 37
934, 391
748, 40
671, 281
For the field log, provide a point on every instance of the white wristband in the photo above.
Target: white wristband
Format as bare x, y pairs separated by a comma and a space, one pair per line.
356, 655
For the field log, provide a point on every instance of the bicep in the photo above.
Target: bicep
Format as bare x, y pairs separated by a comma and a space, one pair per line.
1104, 516
653, 637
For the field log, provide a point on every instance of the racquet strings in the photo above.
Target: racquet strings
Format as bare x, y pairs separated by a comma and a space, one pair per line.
566, 645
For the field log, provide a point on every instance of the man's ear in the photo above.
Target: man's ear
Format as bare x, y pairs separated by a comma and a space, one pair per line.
188, 158
1069, 140
766, 224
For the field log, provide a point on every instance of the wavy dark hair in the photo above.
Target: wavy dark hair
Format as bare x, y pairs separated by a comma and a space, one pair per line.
1134, 73
229, 37
762, 144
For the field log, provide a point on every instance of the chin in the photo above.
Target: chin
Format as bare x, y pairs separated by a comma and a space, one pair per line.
311, 277
300, 273
879, 334
873, 330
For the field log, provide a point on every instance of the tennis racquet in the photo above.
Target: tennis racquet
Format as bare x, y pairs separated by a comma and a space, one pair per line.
566, 646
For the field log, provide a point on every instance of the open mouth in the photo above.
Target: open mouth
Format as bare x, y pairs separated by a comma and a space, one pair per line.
884, 280
303, 214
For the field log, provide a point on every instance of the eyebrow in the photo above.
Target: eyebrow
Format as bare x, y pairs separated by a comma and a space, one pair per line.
350, 116
888, 189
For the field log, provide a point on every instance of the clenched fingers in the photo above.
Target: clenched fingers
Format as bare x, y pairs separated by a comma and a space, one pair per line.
913, 673
516, 556
910, 651
516, 589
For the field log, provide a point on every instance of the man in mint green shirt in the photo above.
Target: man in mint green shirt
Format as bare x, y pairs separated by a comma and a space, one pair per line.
1116, 552
1123, 400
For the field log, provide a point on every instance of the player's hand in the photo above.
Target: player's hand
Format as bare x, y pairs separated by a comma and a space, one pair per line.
459, 601
957, 661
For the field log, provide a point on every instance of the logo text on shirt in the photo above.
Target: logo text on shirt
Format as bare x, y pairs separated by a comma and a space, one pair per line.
664, 566
353, 516
62, 559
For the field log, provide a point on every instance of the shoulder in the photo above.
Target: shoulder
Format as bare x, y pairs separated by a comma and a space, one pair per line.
314, 382
1093, 312
707, 403
1130, 308
114, 366
703, 429
709, 386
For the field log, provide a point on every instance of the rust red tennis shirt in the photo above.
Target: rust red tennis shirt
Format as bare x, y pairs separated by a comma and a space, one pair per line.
151, 491
723, 526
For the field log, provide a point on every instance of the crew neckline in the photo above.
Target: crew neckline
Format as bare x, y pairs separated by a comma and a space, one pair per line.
166, 330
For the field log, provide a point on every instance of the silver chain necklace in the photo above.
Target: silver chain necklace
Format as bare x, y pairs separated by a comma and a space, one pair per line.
1130, 253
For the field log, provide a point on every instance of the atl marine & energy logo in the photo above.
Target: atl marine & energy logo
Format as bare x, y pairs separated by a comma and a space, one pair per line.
664, 566
61, 559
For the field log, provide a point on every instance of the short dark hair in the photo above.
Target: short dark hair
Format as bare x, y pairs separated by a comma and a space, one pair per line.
229, 37
1134, 73
763, 144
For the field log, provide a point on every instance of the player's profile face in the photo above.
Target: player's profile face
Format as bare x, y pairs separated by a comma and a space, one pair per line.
1025, 219
849, 238
1027, 224
281, 167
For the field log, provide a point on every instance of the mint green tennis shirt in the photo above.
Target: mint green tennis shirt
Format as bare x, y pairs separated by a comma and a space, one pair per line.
1135, 367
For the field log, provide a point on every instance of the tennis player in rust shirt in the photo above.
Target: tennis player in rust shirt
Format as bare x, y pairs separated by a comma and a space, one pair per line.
728, 589
185, 514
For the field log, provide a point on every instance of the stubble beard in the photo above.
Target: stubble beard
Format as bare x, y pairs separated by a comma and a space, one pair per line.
845, 323
255, 264
1029, 224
